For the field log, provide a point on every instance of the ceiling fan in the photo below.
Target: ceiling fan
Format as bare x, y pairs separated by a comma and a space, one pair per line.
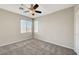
32, 9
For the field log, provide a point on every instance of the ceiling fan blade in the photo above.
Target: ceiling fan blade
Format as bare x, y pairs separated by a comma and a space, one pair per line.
26, 11
31, 5
35, 6
21, 8
38, 11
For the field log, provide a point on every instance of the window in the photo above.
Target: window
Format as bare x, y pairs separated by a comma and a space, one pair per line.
29, 26
26, 26
36, 26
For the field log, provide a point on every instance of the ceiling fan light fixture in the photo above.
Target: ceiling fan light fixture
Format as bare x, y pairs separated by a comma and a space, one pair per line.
32, 10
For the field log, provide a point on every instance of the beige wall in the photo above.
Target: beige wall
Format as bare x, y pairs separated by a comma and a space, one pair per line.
10, 28
57, 28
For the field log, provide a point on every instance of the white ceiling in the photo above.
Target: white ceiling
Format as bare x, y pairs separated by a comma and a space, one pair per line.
45, 8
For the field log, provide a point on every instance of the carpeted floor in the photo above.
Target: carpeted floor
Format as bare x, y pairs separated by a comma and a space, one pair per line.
34, 47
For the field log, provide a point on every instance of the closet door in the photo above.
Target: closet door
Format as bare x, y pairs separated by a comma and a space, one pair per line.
76, 30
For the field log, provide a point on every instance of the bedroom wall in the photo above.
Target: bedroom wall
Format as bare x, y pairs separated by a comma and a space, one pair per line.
10, 28
57, 28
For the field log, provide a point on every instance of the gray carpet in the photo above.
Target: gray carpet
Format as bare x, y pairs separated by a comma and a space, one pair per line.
34, 47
